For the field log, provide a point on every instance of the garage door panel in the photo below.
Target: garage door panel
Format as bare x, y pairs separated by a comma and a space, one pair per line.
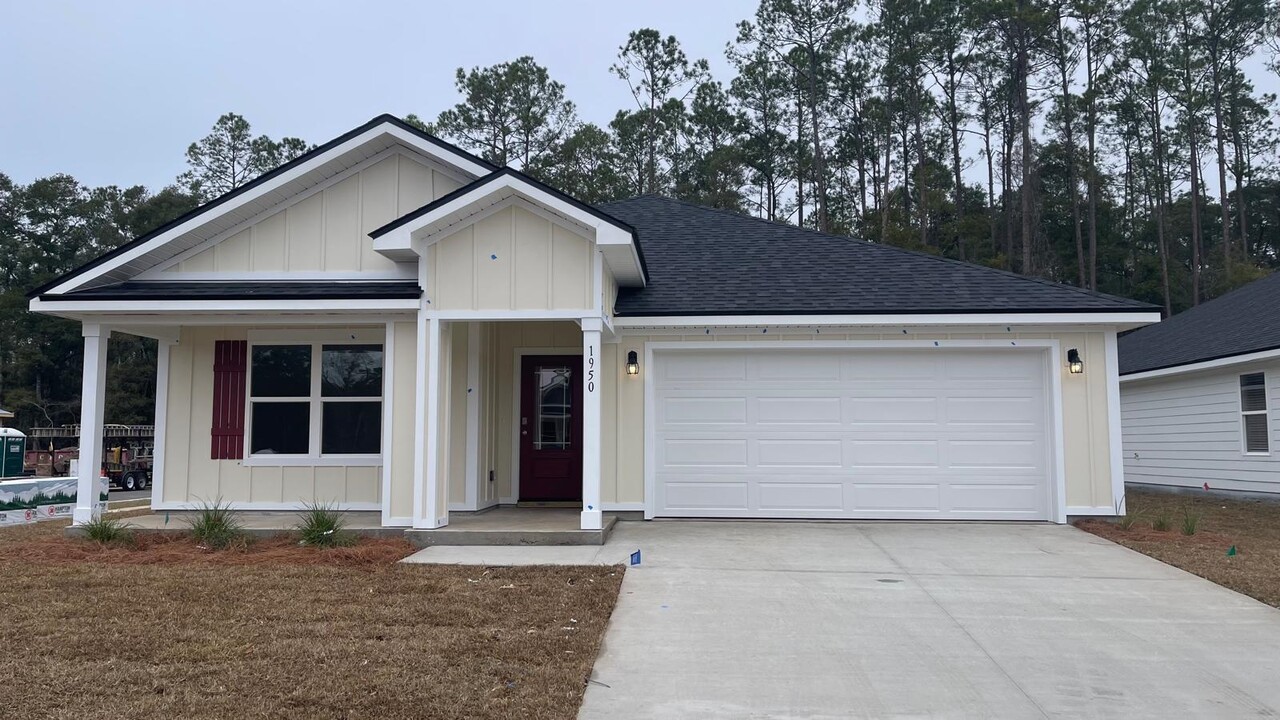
722, 452
1002, 411
801, 496
799, 453
852, 434
702, 411
880, 367
896, 496
995, 454
720, 367
892, 409
894, 453
795, 369
1022, 497
793, 410
728, 495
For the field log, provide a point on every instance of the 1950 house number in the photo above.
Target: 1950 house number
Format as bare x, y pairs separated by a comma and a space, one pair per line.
591, 368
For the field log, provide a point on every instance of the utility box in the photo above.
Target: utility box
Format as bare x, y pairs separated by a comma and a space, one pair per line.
13, 451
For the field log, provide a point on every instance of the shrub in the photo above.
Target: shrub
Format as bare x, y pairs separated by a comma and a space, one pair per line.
1128, 520
215, 526
108, 530
323, 526
1163, 521
1190, 521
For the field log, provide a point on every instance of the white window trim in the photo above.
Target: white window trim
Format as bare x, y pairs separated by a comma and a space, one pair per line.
1264, 412
316, 340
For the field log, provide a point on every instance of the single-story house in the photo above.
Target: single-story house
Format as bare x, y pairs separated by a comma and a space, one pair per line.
1200, 394
390, 323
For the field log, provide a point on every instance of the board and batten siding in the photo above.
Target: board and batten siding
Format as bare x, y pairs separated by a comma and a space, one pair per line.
327, 231
190, 476
511, 259
1185, 431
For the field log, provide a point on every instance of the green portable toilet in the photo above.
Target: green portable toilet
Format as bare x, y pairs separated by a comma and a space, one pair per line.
13, 450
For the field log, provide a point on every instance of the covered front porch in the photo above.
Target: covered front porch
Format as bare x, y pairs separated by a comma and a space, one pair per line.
461, 431
519, 426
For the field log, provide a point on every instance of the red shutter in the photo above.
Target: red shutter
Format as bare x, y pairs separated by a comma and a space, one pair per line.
229, 360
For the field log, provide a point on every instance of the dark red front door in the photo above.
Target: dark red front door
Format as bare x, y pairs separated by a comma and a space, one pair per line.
551, 428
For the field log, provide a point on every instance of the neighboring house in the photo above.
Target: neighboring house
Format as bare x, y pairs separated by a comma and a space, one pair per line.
389, 323
1201, 394
5, 415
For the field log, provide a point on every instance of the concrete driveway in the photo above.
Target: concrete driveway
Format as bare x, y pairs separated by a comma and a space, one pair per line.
827, 620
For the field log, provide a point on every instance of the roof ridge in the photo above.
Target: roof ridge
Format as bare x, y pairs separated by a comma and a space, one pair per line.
892, 248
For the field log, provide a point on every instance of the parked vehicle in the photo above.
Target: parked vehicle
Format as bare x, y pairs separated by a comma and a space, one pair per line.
127, 457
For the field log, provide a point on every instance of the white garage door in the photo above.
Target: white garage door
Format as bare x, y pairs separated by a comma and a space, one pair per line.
801, 433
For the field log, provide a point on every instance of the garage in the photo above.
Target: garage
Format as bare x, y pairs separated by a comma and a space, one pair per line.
852, 432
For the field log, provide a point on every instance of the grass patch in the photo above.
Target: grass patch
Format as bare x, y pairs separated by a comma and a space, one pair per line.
323, 526
108, 530
215, 526
278, 630
1163, 520
1190, 521
1253, 526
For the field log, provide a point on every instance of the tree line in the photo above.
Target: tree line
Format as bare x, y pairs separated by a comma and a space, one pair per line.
1122, 147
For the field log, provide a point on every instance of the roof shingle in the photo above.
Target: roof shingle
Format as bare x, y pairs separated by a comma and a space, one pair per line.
714, 262
1245, 320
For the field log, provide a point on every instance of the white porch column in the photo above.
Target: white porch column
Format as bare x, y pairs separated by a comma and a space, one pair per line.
592, 519
93, 391
163, 351
428, 510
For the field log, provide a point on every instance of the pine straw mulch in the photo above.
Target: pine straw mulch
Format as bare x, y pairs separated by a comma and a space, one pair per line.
275, 630
1252, 526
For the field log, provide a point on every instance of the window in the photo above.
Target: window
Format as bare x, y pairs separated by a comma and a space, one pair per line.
1253, 412
315, 399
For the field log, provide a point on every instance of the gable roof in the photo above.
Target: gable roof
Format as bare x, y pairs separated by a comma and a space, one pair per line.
466, 159
714, 262
1245, 320
615, 238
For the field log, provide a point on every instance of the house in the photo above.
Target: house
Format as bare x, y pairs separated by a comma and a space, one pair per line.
1200, 394
389, 323
5, 415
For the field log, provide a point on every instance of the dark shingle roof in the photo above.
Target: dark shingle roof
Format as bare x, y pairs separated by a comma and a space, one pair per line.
712, 262
1243, 321
269, 290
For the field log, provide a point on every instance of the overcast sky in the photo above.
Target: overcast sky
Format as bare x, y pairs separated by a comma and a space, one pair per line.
113, 91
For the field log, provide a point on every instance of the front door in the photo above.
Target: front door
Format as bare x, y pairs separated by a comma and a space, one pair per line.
551, 428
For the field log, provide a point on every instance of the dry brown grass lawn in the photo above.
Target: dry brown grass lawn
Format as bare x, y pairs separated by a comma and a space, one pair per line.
92, 632
1253, 526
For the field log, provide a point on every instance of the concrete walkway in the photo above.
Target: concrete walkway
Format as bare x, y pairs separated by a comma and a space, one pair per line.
813, 620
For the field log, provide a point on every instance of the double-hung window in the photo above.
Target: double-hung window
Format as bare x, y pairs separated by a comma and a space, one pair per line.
1253, 413
313, 400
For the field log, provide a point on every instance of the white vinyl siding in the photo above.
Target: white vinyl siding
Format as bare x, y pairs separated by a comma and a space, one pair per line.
1188, 430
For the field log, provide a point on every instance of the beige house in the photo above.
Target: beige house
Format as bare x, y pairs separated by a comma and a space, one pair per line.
389, 323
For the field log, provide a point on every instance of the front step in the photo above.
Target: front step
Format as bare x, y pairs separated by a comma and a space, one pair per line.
461, 534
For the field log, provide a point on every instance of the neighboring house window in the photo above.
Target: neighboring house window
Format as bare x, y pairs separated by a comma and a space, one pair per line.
315, 399
1253, 411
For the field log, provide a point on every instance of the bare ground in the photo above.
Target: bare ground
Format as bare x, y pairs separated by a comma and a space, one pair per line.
168, 630
1252, 526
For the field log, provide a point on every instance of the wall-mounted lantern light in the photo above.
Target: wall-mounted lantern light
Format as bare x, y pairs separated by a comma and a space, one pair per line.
633, 363
1074, 363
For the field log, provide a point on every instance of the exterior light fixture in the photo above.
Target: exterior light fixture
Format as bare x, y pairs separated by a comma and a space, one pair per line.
633, 363
1074, 363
